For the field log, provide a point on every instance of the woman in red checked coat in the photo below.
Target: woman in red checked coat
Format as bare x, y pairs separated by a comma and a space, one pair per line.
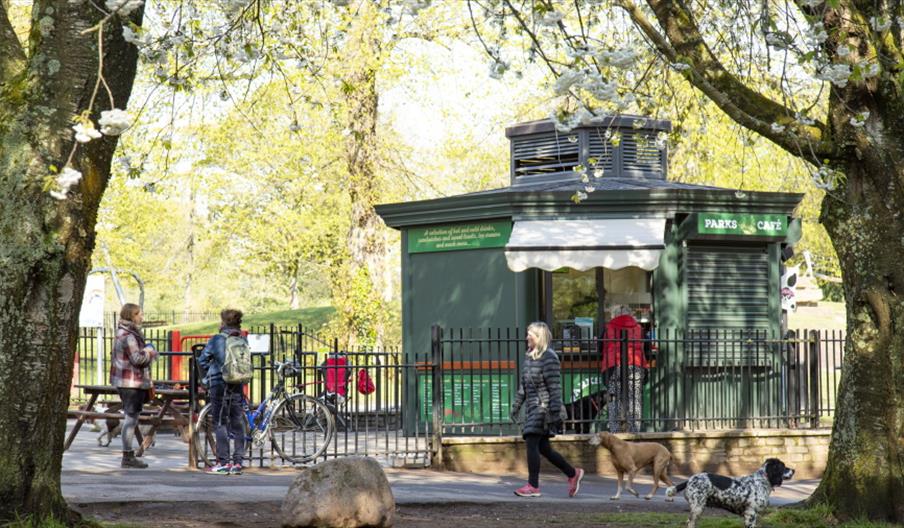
131, 375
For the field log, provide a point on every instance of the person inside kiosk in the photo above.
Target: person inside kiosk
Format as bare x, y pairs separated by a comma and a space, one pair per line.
624, 365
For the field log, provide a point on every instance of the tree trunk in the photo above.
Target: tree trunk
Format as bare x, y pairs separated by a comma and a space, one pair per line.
189, 257
362, 309
865, 471
46, 244
293, 292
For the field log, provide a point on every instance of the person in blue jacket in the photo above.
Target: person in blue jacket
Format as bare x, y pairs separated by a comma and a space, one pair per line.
225, 398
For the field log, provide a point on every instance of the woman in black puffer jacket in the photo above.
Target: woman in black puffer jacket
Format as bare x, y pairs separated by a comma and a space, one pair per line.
540, 393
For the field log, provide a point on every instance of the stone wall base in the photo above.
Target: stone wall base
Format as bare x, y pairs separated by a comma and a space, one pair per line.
736, 452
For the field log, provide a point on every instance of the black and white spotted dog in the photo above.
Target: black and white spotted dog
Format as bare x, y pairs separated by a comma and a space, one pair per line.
745, 496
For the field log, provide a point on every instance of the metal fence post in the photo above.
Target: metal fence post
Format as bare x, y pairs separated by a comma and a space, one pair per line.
815, 353
192, 411
436, 334
99, 349
623, 387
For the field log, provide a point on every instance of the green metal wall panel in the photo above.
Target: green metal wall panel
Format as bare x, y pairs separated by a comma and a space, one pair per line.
463, 289
667, 288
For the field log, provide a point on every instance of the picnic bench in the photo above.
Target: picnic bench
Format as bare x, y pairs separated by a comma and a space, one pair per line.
168, 400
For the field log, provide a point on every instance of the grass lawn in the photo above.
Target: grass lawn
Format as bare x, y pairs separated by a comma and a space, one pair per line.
784, 518
312, 318
824, 316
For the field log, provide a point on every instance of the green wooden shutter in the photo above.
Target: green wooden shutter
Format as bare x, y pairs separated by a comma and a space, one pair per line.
727, 287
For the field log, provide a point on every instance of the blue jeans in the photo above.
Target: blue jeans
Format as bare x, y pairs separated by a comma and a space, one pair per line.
226, 412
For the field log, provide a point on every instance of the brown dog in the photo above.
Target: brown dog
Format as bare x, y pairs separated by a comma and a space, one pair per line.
631, 457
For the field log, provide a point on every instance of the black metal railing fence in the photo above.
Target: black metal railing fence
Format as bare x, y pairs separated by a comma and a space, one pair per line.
368, 423
688, 379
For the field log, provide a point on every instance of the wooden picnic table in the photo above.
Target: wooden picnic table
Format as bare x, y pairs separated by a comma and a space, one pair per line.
165, 397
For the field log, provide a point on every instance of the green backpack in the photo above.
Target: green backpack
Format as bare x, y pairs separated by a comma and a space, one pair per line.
237, 363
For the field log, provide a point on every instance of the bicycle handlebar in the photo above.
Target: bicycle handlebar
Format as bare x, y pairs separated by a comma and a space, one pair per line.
291, 365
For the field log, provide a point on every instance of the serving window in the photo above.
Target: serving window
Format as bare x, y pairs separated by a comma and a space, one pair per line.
577, 304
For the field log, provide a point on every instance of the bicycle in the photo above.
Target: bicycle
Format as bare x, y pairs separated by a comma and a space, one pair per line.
299, 427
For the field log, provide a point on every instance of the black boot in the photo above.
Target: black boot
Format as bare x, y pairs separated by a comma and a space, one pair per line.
129, 460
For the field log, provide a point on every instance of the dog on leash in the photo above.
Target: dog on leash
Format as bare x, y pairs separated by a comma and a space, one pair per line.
110, 428
745, 496
631, 457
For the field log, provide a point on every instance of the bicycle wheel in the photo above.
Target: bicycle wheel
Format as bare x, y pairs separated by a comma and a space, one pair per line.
301, 428
205, 438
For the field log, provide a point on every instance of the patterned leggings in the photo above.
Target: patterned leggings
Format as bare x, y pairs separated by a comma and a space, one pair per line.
632, 407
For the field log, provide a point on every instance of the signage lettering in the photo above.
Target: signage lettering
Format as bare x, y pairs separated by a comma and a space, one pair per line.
742, 224
456, 237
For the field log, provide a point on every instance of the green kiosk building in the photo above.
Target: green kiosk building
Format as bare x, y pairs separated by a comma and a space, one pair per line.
683, 258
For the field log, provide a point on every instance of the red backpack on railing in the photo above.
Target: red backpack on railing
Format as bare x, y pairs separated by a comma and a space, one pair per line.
336, 374
365, 383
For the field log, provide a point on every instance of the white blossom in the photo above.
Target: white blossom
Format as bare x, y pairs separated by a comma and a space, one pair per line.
777, 128
662, 140
85, 132
843, 50
825, 178
114, 122
589, 188
803, 120
816, 34
577, 52
567, 79
65, 180
123, 7
880, 23
598, 173
602, 90
837, 74
551, 19
231, 6
778, 40
134, 183
860, 119
498, 68
132, 37
414, 6
868, 69
620, 58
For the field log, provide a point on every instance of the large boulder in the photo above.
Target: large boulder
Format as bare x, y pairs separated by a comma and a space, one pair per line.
342, 493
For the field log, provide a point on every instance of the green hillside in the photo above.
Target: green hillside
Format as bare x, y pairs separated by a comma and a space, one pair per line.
312, 318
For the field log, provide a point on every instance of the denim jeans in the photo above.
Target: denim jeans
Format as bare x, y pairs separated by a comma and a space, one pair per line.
226, 412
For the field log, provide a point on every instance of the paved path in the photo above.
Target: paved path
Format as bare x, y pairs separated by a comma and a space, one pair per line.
92, 474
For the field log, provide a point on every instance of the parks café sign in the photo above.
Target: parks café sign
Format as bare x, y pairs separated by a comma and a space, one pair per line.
742, 224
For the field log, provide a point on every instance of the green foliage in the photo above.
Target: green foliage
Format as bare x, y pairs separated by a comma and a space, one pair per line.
32, 522
314, 319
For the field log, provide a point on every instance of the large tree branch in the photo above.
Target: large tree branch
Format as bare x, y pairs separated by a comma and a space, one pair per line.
683, 43
12, 56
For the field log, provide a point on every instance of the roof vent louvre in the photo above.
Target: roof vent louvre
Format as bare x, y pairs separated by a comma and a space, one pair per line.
641, 155
541, 154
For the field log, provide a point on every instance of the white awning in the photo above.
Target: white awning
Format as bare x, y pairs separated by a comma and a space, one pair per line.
585, 244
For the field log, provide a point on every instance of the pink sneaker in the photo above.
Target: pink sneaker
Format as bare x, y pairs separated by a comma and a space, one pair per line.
527, 491
574, 483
